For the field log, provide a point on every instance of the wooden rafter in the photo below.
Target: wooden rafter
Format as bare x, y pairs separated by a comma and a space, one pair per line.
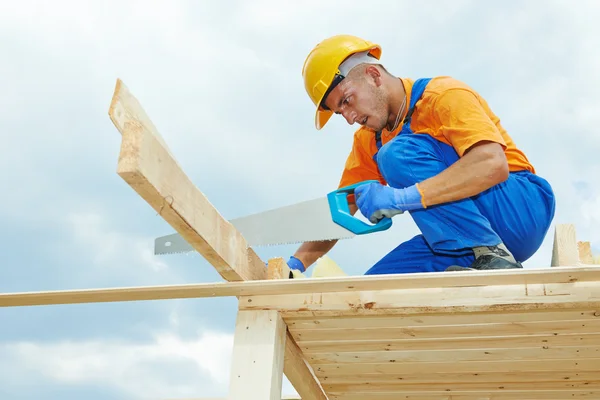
148, 166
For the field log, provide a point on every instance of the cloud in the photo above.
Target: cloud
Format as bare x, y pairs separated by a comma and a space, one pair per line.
167, 366
113, 251
589, 210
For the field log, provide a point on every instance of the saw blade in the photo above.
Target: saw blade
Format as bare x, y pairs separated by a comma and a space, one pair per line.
307, 221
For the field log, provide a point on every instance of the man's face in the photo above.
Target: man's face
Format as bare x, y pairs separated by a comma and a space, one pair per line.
360, 99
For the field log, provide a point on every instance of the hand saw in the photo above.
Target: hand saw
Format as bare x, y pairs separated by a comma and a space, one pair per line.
325, 218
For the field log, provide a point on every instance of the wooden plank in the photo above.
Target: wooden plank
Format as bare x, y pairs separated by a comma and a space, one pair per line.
258, 352
148, 166
456, 378
450, 343
300, 374
451, 331
564, 250
475, 367
513, 395
576, 295
355, 286
355, 289
532, 394
457, 356
565, 387
383, 321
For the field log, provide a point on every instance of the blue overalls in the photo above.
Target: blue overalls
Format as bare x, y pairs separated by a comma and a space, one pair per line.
517, 211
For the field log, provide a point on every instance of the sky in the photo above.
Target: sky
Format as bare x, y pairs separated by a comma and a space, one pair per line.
222, 83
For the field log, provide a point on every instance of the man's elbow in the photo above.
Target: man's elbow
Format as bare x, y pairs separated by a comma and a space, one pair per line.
498, 167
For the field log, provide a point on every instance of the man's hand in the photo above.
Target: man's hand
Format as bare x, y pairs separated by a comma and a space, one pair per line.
377, 201
296, 268
295, 263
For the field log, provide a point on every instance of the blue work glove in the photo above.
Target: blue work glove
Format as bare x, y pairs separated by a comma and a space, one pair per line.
295, 263
377, 201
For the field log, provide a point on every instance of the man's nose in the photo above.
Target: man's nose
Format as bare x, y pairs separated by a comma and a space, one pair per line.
350, 116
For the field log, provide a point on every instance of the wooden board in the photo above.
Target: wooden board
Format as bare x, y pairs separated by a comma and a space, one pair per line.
148, 166
530, 281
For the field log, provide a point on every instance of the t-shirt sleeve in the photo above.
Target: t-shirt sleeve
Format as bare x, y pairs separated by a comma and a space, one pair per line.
464, 121
359, 166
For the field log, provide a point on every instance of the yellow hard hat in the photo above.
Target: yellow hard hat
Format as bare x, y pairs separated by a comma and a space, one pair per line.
321, 71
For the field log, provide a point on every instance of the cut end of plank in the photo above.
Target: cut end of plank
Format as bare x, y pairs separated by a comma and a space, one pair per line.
278, 269
114, 111
125, 107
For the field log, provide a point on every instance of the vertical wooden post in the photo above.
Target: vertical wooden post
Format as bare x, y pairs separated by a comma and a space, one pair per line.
295, 367
258, 356
565, 251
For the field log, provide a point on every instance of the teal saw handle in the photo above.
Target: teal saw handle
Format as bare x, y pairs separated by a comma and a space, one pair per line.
340, 212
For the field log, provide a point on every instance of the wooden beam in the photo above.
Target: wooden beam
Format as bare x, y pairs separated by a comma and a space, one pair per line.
442, 368
299, 372
296, 368
148, 166
490, 299
476, 394
435, 281
451, 378
258, 351
564, 250
585, 253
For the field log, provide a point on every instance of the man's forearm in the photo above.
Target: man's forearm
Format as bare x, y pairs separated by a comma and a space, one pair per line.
309, 252
481, 168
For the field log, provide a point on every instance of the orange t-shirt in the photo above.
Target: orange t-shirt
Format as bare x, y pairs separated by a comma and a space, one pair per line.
451, 112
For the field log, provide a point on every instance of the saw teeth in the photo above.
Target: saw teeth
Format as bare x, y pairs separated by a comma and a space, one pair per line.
260, 245
287, 243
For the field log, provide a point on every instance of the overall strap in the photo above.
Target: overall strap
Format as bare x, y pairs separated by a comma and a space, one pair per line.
378, 144
378, 139
416, 93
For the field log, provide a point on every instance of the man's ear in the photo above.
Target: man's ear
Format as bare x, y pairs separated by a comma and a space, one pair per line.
374, 74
